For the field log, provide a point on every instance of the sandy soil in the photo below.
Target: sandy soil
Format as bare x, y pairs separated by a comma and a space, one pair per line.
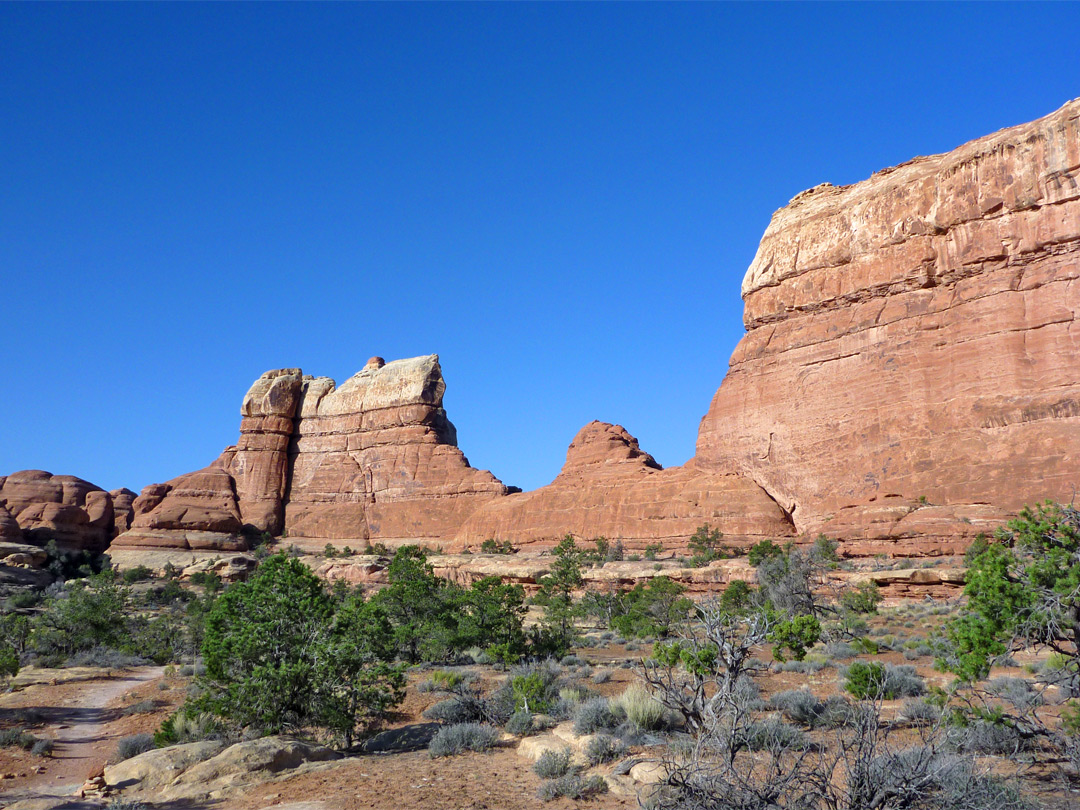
81, 711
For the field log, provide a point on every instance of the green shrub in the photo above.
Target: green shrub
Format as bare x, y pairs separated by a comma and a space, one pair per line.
761, 551
137, 574
874, 680
861, 599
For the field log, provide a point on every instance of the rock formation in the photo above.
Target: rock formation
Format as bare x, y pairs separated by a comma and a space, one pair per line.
373, 459
123, 509
609, 487
908, 378
909, 343
9, 527
71, 511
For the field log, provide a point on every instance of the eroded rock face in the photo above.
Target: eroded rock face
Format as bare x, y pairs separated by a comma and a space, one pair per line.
375, 458
378, 458
910, 341
71, 511
9, 528
609, 487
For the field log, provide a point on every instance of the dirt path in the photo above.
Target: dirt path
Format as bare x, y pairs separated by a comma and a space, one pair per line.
77, 722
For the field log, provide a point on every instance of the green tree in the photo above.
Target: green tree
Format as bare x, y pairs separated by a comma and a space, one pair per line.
422, 607
87, 614
557, 590
261, 643
493, 618
705, 545
9, 660
1022, 589
355, 681
281, 654
653, 608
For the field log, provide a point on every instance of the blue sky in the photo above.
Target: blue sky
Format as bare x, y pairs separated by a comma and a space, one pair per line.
560, 200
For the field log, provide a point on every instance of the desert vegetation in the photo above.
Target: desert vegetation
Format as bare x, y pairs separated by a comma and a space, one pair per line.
782, 690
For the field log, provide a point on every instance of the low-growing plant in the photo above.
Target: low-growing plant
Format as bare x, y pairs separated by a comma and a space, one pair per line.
457, 739
603, 748
919, 712
520, 723
142, 707
42, 748
601, 676
799, 706
773, 735
594, 715
465, 707
639, 707
552, 764
1015, 691
132, 746
572, 786
14, 737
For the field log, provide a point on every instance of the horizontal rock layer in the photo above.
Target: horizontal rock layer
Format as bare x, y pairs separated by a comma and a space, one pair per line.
910, 338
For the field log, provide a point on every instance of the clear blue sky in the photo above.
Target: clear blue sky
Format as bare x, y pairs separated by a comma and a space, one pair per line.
560, 200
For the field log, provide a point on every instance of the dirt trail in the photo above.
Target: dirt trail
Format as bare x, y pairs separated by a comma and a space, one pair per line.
80, 733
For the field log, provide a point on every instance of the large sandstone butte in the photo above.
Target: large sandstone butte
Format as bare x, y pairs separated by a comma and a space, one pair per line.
910, 341
373, 459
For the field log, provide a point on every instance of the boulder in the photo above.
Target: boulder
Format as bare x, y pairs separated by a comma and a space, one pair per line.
22, 555
153, 770
909, 338
233, 568
243, 764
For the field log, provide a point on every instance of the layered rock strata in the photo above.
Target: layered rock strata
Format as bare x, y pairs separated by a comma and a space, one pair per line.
373, 459
609, 487
73, 512
910, 342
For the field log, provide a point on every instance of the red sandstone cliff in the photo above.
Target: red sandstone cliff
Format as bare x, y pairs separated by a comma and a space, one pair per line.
910, 338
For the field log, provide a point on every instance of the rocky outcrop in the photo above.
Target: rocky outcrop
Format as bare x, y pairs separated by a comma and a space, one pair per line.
9, 527
71, 511
123, 501
910, 341
610, 488
375, 458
